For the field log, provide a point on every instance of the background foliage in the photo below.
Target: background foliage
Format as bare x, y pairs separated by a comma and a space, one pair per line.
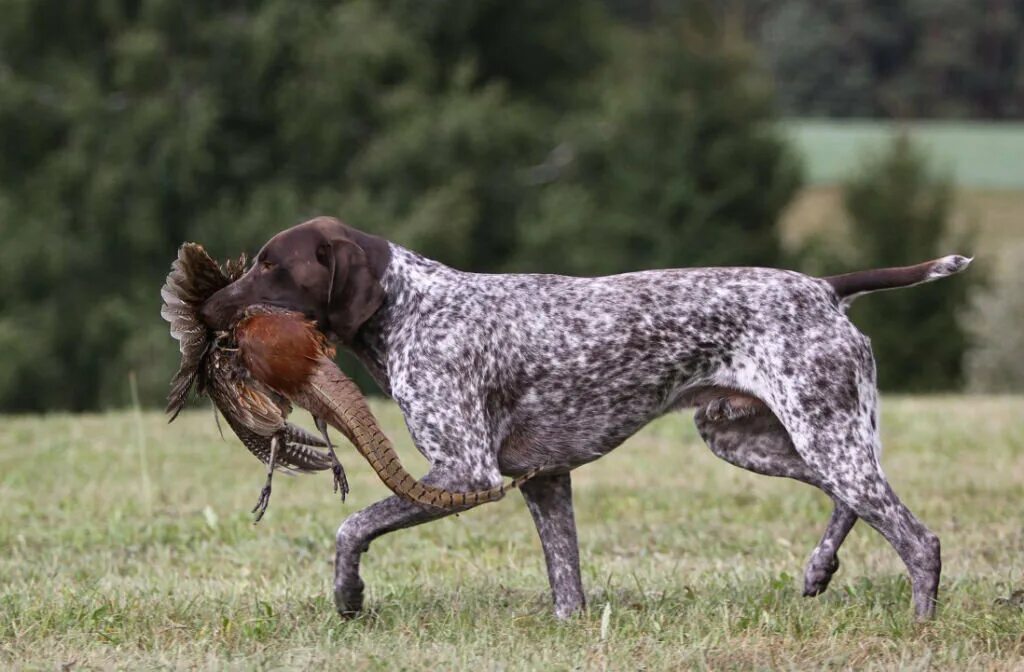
584, 137
994, 325
951, 59
900, 211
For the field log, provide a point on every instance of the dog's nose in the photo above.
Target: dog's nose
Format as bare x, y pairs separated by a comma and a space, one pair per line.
218, 310
210, 315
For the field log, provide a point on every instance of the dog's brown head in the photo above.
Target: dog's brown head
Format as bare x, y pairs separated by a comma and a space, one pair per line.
322, 268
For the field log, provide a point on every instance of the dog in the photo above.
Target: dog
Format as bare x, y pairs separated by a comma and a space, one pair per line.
503, 374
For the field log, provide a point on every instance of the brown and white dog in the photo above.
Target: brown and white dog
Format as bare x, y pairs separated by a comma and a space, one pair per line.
501, 374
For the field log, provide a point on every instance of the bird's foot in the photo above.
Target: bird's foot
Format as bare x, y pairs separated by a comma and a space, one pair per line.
261, 504
340, 479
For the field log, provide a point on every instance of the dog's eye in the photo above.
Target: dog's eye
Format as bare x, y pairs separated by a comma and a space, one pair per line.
323, 254
267, 265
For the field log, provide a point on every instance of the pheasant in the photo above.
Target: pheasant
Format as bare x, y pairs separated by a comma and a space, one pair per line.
269, 359
210, 363
287, 353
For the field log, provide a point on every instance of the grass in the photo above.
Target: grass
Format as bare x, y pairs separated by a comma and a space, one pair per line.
976, 154
688, 562
995, 219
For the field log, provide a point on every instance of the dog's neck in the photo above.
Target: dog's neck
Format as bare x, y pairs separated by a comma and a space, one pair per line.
407, 281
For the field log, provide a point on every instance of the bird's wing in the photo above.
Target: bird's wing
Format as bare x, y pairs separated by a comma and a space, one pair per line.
240, 398
256, 414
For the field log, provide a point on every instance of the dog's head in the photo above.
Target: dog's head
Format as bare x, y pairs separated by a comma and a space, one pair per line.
322, 268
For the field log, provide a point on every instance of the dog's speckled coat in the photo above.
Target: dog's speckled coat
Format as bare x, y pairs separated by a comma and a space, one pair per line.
503, 374
500, 374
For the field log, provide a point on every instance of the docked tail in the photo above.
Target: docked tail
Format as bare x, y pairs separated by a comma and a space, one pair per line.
851, 285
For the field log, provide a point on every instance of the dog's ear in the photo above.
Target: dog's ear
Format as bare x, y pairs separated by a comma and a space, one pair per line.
354, 292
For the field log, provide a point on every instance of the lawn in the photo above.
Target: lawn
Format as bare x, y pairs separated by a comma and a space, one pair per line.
975, 154
125, 542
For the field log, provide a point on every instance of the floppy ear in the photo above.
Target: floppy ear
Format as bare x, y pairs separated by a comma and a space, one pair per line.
353, 293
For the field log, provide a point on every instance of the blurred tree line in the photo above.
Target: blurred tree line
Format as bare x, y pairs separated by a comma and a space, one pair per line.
916, 59
491, 135
901, 208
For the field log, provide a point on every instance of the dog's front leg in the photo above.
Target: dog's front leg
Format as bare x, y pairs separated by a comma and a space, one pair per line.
354, 537
549, 499
394, 513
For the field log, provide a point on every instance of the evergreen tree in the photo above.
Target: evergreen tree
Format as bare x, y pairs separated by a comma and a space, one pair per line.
900, 210
679, 165
152, 122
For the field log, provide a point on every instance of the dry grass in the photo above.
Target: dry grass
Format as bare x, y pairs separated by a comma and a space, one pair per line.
697, 563
996, 217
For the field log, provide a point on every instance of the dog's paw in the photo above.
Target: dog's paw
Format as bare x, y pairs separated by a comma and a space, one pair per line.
348, 598
348, 603
817, 578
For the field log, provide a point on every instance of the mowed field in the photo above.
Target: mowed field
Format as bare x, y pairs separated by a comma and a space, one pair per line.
127, 543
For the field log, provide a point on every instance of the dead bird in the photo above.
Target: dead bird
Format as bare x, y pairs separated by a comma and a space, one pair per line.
257, 416
268, 357
288, 354
210, 364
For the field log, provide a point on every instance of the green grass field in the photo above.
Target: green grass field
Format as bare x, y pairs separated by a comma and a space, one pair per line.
977, 155
125, 542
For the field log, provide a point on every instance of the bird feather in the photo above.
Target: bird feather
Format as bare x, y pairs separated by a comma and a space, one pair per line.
255, 413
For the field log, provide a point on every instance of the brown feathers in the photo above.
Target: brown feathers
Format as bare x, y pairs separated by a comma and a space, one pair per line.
194, 277
211, 363
280, 349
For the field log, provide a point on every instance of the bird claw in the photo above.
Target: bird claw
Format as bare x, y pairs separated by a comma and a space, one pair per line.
340, 479
261, 504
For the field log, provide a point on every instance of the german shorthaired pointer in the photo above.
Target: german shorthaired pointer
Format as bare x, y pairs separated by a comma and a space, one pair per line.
500, 374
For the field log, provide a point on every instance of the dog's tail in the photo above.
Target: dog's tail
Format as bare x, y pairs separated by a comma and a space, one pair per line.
851, 285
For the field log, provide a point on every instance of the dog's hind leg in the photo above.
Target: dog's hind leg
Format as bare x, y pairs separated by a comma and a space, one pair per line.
759, 443
824, 560
833, 424
863, 488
